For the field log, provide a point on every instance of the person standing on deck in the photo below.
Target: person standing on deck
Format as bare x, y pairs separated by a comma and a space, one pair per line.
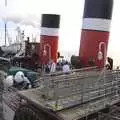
53, 67
66, 67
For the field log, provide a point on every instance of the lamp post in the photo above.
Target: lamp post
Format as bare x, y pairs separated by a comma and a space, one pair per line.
101, 57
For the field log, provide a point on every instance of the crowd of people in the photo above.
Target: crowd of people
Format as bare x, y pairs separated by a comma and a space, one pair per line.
53, 67
19, 80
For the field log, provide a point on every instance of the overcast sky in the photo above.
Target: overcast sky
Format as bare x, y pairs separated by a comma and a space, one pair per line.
28, 13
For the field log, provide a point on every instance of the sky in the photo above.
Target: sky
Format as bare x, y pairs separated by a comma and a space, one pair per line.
27, 14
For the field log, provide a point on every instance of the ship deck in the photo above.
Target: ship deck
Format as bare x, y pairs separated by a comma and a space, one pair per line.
77, 95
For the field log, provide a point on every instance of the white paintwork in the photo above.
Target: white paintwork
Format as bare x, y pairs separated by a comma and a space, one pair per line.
49, 51
49, 31
18, 48
96, 24
12, 48
22, 50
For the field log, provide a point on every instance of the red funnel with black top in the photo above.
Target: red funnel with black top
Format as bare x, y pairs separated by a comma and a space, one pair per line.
49, 37
95, 32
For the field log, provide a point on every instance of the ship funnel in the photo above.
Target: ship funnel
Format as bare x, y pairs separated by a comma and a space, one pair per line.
95, 32
49, 37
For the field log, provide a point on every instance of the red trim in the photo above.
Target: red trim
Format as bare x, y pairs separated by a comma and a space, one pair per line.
89, 46
52, 41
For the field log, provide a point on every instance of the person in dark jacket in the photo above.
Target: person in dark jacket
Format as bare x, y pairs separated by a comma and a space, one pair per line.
110, 61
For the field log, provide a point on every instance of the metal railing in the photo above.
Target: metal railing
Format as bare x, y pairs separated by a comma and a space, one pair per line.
65, 91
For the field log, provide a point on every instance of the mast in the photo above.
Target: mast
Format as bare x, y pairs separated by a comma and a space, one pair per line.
5, 32
5, 3
5, 24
